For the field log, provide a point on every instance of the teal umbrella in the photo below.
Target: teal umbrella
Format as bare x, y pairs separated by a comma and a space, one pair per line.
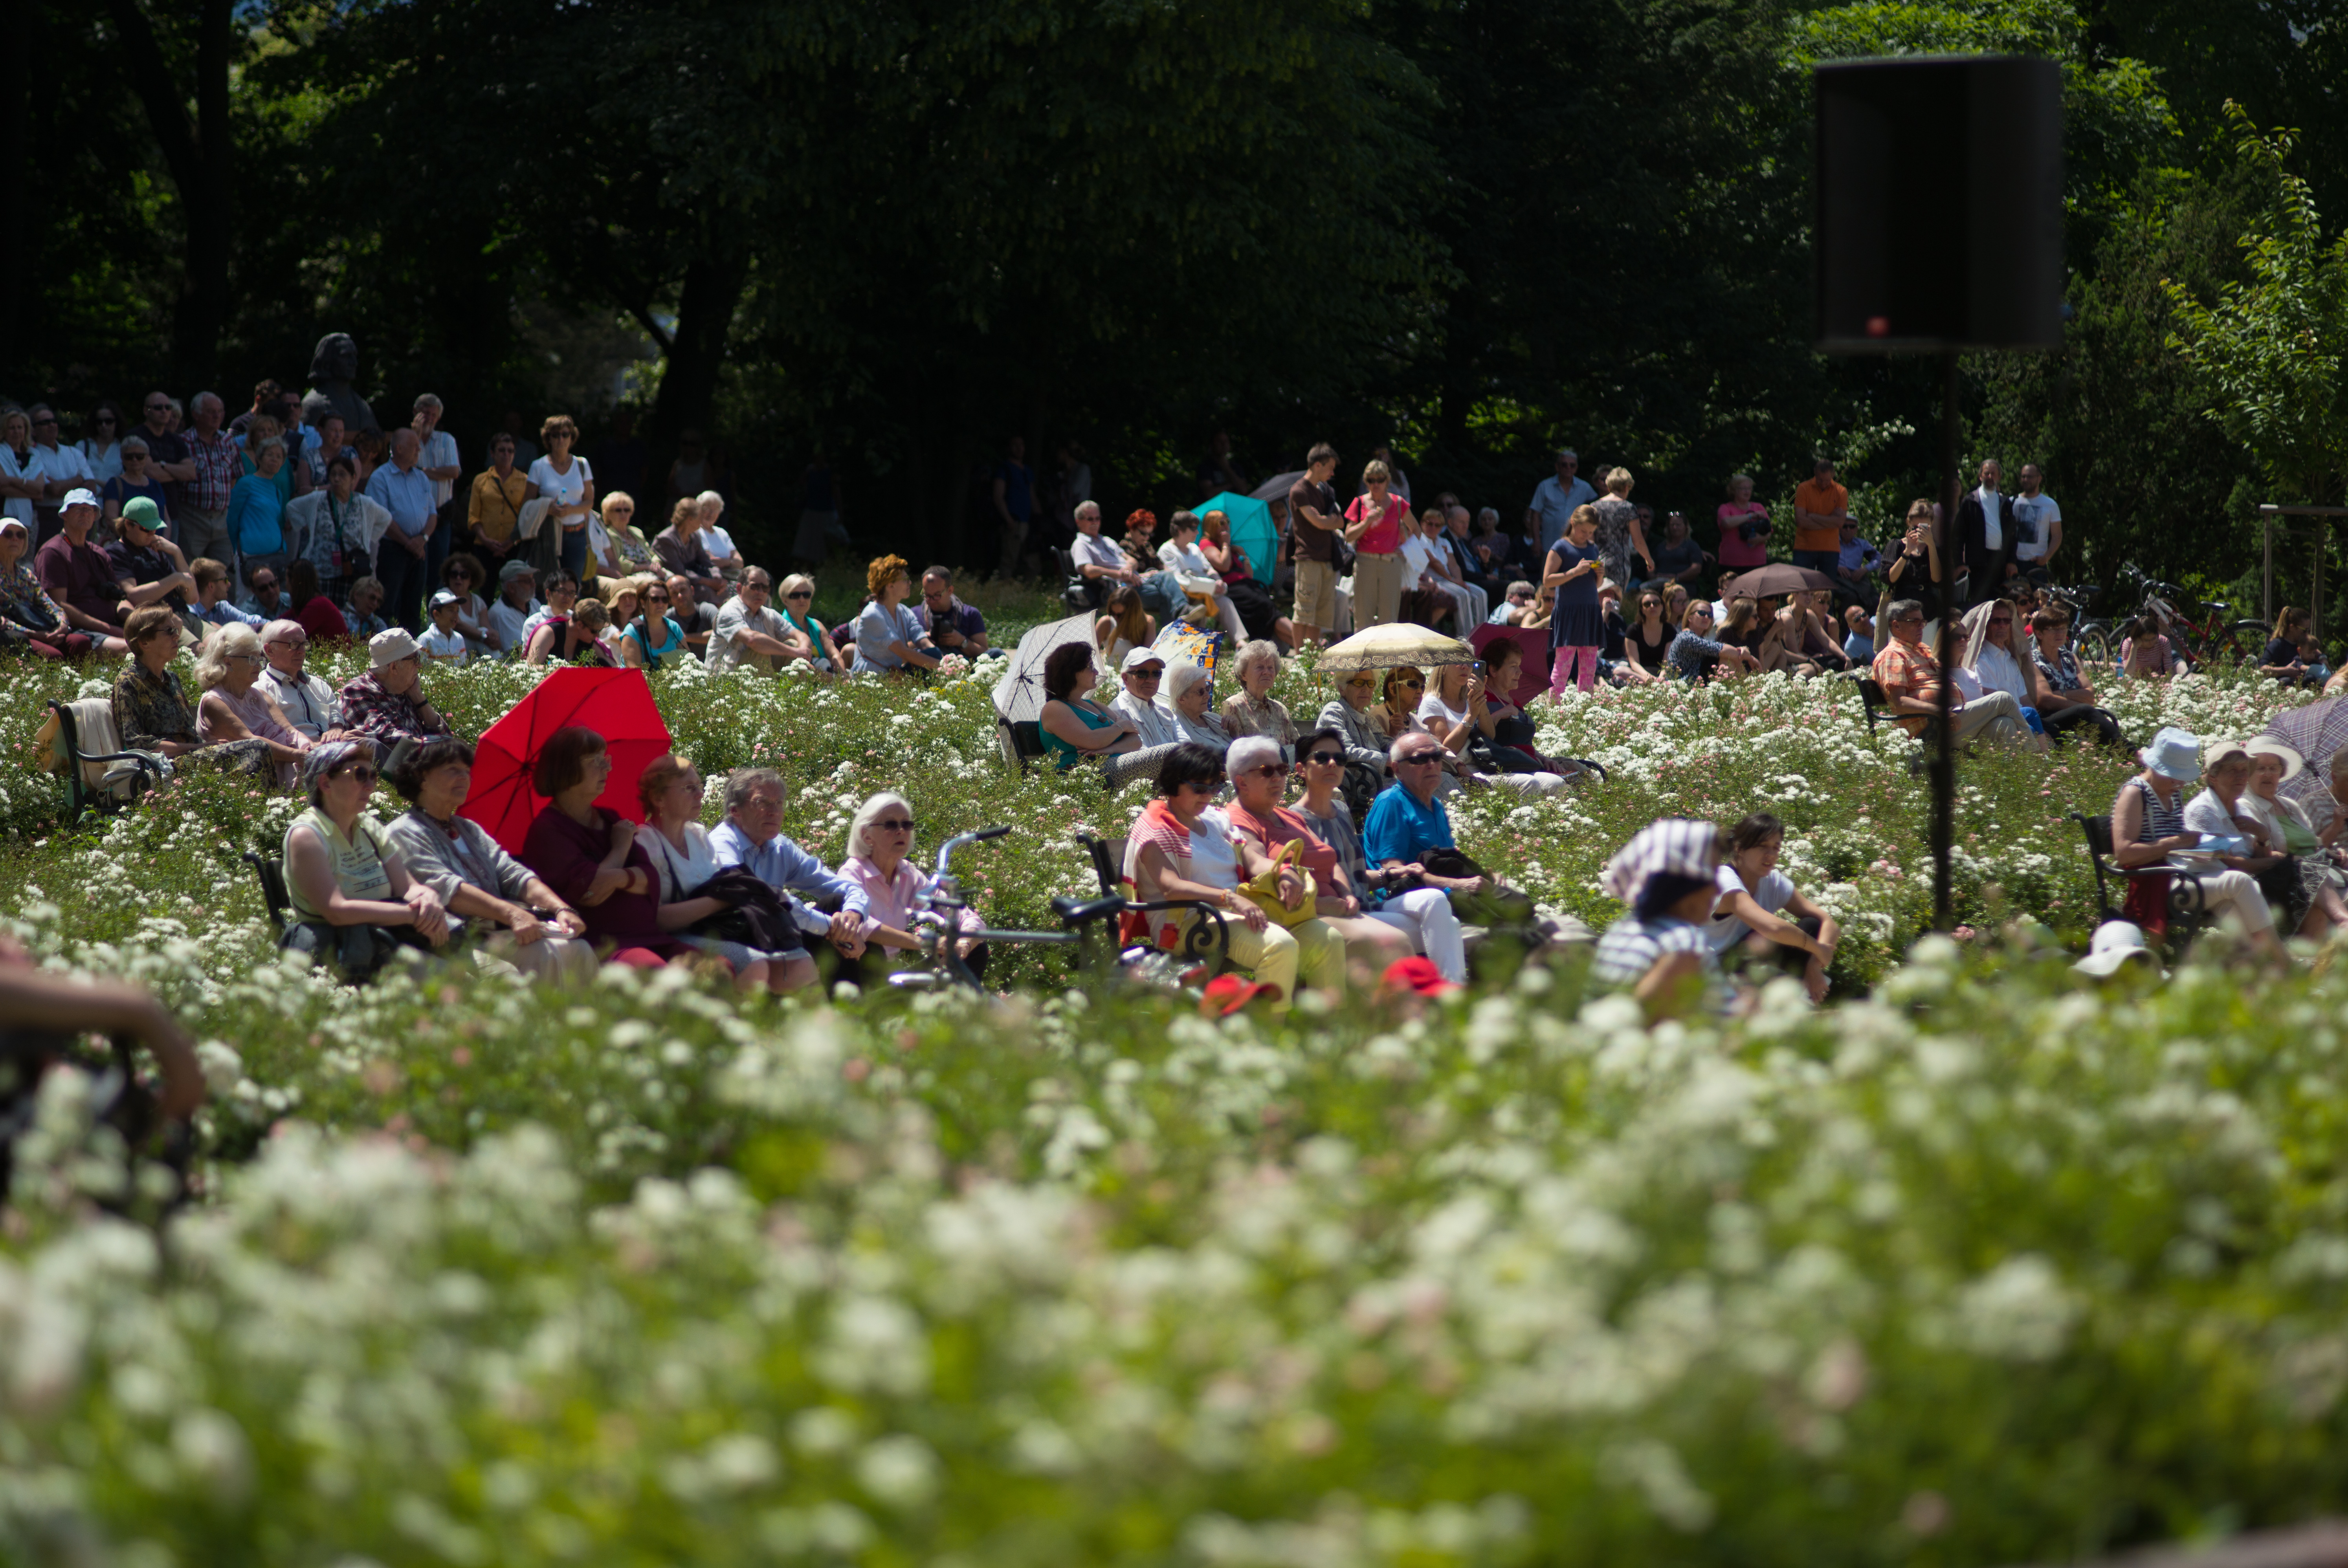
1252, 529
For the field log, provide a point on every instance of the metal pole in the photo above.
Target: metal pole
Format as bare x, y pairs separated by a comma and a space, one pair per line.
2266, 592
1944, 751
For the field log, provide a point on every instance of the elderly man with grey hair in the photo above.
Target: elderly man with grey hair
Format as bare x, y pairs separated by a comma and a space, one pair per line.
209, 471
751, 837
436, 455
402, 489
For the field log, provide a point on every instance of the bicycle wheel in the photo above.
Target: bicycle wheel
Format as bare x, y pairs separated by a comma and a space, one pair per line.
2093, 645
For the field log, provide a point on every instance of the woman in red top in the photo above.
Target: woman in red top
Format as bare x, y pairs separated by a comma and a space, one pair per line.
311, 609
1374, 528
1741, 515
1259, 778
589, 854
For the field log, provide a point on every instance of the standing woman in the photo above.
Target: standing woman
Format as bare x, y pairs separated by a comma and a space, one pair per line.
1744, 528
20, 471
1619, 537
880, 861
1373, 527
670, 792
589, 854
570, 484
1576, 626
256, 513
101, 443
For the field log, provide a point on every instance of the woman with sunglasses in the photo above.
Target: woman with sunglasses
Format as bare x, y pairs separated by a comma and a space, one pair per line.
798, 613
236, 704
353, 901
101, 443
881, 860
1423, 915
134, 476
1259, 779
1993, 661
463, 575
1695, 655
651, 637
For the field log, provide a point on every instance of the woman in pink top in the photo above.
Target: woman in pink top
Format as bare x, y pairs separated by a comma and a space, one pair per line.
1373, 525
881, 859
236, 707
1736, 552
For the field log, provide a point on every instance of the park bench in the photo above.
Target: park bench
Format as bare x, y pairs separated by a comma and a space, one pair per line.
105, 779
2187, 912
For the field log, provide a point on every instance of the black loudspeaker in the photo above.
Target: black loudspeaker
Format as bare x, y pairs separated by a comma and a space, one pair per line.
1940, 203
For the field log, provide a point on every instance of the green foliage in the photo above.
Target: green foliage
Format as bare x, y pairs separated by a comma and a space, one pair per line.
2270, 349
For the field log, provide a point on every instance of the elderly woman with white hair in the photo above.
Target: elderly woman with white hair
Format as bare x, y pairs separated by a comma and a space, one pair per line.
714, 540
881, 860
1252, 710
795, 602
1186, 700
237, 705
353, 901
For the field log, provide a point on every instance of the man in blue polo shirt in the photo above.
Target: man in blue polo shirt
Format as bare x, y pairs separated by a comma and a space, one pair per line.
403, 488
1407, 819
1555, 498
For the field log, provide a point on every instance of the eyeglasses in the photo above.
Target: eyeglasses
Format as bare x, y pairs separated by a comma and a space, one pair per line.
1411, 683
2001, 621
134, 457
799, 593
359, 771
894, 823
460, 574
158, 408
1210, 787
247, 659
44, 419
1270, 770
1326, 757
656, 599
264, 584
102, 419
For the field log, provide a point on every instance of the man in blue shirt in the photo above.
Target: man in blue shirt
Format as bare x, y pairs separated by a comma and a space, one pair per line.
751, 837
1554, 499
403, 488
1407, 819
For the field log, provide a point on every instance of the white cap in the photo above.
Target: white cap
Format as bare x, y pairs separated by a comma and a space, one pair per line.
2116, 942
1134, 658
82, 496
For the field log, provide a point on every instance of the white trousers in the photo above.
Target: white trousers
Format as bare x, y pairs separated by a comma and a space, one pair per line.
1425, 917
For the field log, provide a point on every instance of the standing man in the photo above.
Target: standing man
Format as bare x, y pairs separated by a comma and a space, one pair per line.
436, 455
1555, 498
955, 626
1461, 546
62, 469
209, 471
1985, 530
2037, 527
1821, 508
401, 488
1014, 502
1314, 517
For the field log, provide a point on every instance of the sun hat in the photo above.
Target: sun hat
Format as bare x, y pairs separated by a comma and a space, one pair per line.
2116, 942
6, 522
1134, 658
2268, 746
324, 758
514, 569
2174, 753
1226, 994
140, 510
390, 646
1416, 975
81, 496
2216, 750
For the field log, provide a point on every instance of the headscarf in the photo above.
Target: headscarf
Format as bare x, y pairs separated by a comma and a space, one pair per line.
1680, 849
325, 757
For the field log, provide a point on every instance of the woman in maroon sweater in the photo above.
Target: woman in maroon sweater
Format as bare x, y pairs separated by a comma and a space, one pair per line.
589, 853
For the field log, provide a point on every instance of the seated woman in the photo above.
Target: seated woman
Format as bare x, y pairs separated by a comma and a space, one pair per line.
2149, 826
2146, 654
1259, 774
881, 860
236, 704
1252, 710
312, 610
1458, 711
152, 715
1695, 656
463, 575
613, 544
1669, 876
1182, 848
2222, 811
589, 854
670, 791
353, 901
1075, 728
1814, 641
1391, 897
1513, 742
1123, 626
2282, 660
1354, 717
891, 636
1753, 891
29, 618
576, 637
1182, 556
1250, 598
619, 597
1647, 650
795, 604
2315, 904
654, 637
1188, 701
1991, 661
481, 887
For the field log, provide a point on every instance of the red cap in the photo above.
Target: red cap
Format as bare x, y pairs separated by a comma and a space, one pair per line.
1226, 994
1418, 975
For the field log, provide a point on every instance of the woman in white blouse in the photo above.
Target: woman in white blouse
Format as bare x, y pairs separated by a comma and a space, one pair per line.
570, 483
1182, 556
1993, 662
670, 791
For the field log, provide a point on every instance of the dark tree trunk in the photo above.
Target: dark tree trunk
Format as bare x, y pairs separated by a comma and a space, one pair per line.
200, 155
697, 349
17, 240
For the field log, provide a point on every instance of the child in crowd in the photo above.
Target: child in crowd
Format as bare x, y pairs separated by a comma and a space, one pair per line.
443, 643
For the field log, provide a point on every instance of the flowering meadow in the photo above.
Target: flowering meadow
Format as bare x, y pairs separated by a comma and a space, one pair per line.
1975, 1264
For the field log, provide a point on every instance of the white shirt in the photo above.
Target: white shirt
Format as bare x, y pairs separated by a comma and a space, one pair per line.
103, 464
1184, 560
1213, 861
444, 647
1724, 931
18, 507
310, 703
509, 624
728, 644
2036, 515
2206, 814
1993, 525
1432, 706
1092, 549
439, 451
62, 463
568, 489
1156, 729
718, 543
681, 871
1997, 672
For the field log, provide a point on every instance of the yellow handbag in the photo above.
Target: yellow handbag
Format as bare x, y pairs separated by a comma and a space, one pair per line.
1264, 889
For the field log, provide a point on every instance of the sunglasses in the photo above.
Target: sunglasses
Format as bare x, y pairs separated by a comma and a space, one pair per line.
2001, 621
1416, 758
894, 823
1270, 770
158, 408
103, 419
260, 585
799, 593
656, 599
1326, 757
359, 771
1145, 674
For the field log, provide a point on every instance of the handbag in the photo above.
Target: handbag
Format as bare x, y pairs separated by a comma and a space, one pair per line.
1264, 889
756, 915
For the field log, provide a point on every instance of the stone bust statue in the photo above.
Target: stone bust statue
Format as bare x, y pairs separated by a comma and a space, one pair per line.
333, 368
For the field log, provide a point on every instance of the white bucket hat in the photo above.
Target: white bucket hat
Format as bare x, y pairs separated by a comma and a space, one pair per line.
2116, 942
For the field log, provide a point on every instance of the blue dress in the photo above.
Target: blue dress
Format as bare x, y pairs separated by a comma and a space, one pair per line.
1576, 623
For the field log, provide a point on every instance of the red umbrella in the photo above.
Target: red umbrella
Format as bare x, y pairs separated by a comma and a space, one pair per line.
617, 704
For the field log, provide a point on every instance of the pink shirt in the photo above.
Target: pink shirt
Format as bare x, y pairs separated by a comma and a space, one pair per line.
1734, 551
1384, 536
894, 896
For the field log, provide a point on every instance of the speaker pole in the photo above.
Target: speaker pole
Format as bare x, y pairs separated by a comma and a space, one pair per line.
1944, 751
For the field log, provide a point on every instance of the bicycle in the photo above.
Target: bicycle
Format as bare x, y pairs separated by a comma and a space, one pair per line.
1082, 922
2211, 638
